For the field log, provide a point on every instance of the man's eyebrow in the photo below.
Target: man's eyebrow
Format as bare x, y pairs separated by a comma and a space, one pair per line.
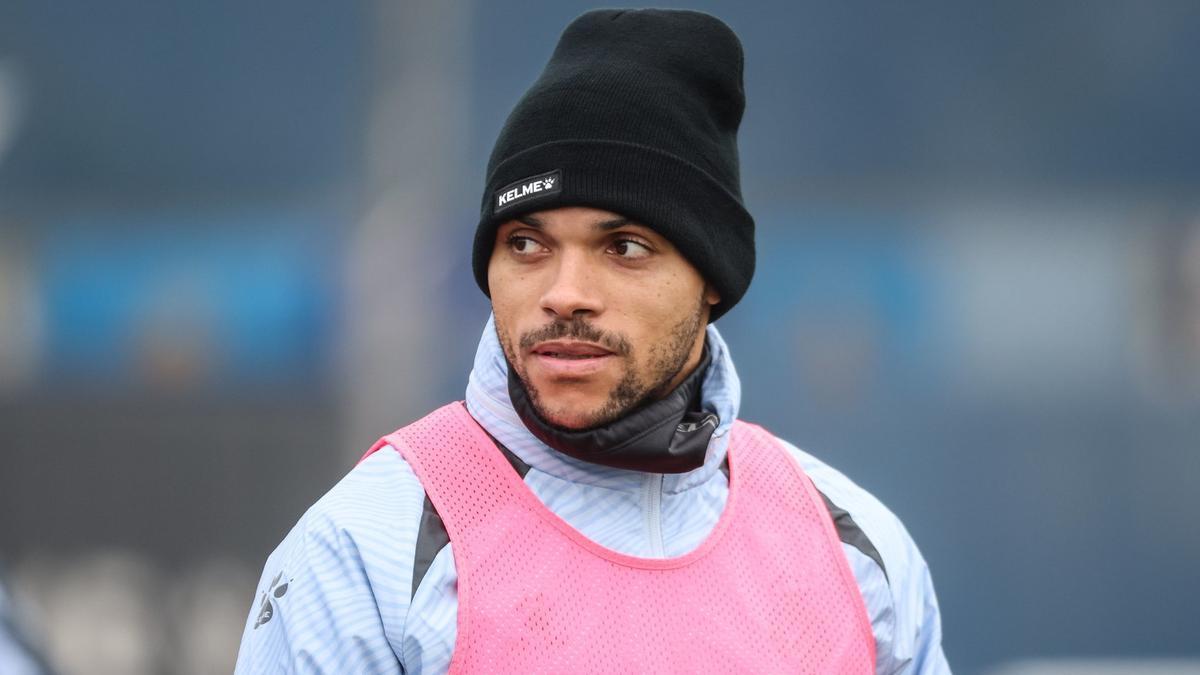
531, 221
613, 224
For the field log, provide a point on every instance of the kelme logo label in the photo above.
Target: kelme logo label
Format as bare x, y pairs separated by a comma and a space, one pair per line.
541, 185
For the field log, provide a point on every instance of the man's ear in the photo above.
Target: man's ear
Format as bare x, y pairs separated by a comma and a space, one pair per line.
711, 296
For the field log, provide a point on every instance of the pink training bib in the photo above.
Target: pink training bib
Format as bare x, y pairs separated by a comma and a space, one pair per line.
768, 591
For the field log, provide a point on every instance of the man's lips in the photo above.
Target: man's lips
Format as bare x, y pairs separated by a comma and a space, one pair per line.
560, 349
569, 359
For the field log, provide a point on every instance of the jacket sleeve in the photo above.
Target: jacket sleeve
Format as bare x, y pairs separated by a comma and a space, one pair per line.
17, 657
891, 573
917, 638
334, 596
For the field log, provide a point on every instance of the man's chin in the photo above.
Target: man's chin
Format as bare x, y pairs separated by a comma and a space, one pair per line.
572, 404
571, 417
579, 399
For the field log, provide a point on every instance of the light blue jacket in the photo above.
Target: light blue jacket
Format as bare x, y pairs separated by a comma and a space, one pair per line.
16, 655
338, 596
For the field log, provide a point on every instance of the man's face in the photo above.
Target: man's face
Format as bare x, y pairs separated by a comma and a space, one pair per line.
596, 314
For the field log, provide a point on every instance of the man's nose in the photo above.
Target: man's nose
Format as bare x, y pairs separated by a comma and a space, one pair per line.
574, 289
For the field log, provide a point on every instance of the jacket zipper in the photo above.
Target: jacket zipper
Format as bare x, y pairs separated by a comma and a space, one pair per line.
652, 513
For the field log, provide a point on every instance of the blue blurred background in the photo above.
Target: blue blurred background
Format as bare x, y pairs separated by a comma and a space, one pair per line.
234, 244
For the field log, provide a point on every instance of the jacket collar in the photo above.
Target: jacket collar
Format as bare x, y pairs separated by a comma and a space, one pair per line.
488, 402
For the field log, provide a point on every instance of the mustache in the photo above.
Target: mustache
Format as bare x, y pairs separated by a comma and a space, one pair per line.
579, 329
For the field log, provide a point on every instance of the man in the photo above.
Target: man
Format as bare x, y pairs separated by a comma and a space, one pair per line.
594, 504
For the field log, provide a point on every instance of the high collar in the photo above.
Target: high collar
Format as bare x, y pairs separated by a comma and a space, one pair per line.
489, 403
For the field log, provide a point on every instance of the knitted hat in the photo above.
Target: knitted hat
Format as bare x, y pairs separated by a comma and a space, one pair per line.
636, 113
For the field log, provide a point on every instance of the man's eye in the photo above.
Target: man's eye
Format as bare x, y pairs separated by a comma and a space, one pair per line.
630, 249
523, 245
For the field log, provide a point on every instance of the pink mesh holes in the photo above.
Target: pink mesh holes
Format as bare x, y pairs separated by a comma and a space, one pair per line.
768, 591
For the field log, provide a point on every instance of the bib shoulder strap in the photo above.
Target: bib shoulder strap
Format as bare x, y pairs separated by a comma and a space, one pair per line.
464, 474
759, 452
756, 447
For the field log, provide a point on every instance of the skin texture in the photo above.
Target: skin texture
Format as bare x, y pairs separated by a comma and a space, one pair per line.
586, 280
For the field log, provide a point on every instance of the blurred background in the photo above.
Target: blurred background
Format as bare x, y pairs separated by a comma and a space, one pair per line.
234, 244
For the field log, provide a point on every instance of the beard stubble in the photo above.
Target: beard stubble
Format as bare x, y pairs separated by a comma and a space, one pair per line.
665, 361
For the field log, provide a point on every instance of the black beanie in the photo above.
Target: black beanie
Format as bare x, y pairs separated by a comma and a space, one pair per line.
636, 113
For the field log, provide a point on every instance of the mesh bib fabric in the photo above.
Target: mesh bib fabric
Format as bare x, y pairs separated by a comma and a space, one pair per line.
768, 591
